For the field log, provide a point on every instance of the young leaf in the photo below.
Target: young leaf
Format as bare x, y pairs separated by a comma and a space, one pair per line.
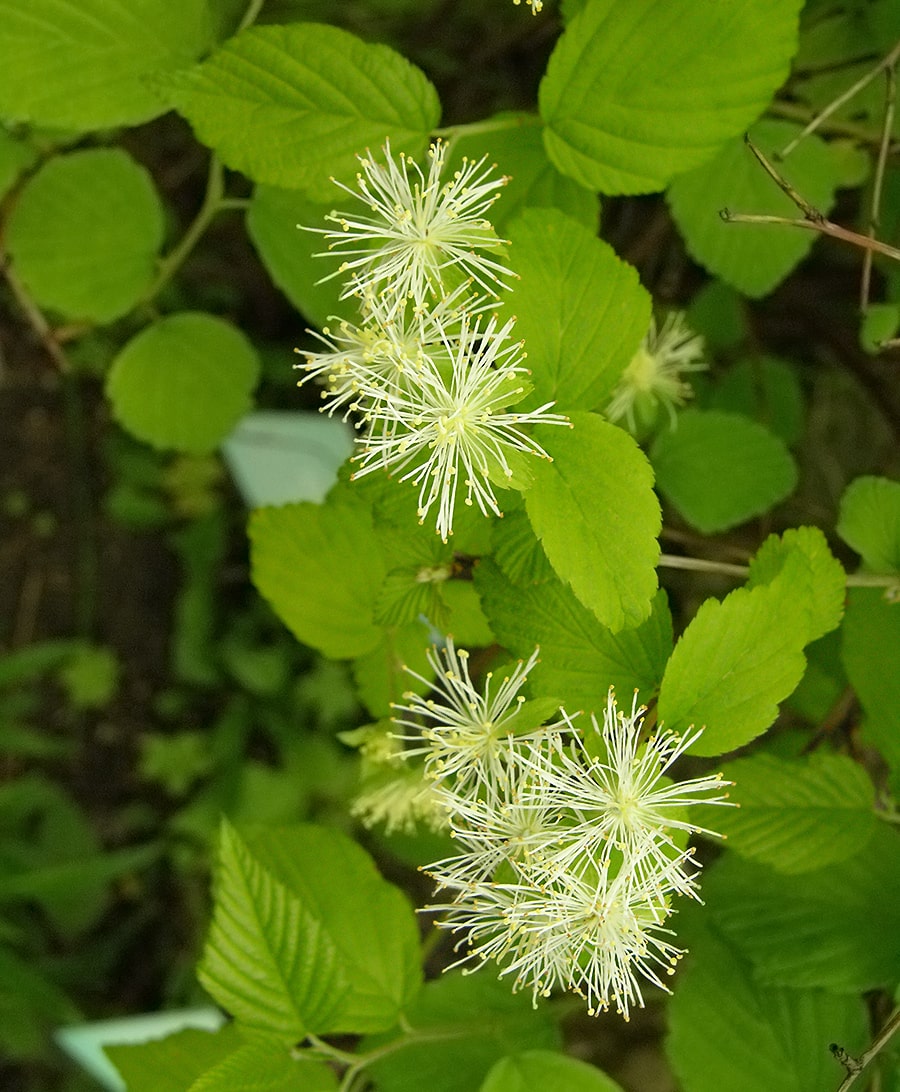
837, 928
810, 574
727, 1031
869, 521
370, 922
547, 1071
732, 666
269, 960
275, 222
490, 1022
752, 257
798, 816
183, 382
15, 157
84, 64
380, 676
294, 104
320, 567
613, 128
85, 232
517, 552
720, 469
582, 311
594, 510
262, 1067
174, 1063
580, 658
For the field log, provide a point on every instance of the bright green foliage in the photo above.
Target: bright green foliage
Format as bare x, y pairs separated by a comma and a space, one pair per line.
291, 105
720, 469
274, 222
812, 578
370, 922
183, 382
262, 1067
517, 552
580, 658
798, 816
174, 1063
726, 1031
837, 928
91, 677
594, 510
321, 569
613, 127
754, 258
869, 521
85, 233
491, 1021
547, 1071
269, 960
582, 311
379, 674
84, 64
871, 639
534, 182
733, 664
15, 157
765, 389
880, 323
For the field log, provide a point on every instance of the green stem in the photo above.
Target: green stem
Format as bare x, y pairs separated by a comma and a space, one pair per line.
253, 9
793, 111
725, 568
214, 202
452, 133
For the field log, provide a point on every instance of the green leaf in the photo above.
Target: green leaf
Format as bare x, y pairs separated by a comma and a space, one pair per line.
810, 575
720, 469
174, 1063
837, 928
871, 646
732, 666
798, 816
321, 569
183, 382
880, 323
275, 222
370, 922
518, 150
491, 1022
292, 105
15, 157
765, 389
637, 93
261, 1067
580, 658
753, 257
84, 64
547, 1071
85, 232
517, 552
869, 521
582, 311
380, 676
269, 960
594, 510
728, 1032
30, 1003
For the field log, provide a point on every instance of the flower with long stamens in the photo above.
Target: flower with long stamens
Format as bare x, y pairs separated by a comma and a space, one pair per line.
655, 374
418, 233
466, 730
451, 425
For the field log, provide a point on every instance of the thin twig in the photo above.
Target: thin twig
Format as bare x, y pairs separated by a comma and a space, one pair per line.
890, 102
855, 1066
793, 111
701, 565
886, 62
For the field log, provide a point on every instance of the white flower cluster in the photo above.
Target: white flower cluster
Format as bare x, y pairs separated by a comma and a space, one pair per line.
571, 846
430, 378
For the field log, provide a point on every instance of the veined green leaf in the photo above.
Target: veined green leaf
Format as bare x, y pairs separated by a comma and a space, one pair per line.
798, 816
869, 521
85, 232
594, 510
291, 105
720, 469
582, 311
547, 1071
173, 1063
637, 93
84, 64
262, 1067
183, 382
